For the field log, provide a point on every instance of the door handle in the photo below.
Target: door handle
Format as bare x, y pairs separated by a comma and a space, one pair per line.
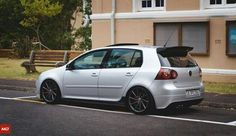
94, 75
128, 74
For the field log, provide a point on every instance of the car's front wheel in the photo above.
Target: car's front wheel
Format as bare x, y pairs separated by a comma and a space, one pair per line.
140, 101
50, 92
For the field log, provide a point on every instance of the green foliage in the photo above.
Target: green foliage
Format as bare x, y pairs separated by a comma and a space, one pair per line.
85, 34
10, 16
49, 21
36, 11
22, 47
57, 34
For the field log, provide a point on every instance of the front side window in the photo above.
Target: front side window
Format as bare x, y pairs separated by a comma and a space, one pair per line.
231, 38
124, 58
91, 60
152, 4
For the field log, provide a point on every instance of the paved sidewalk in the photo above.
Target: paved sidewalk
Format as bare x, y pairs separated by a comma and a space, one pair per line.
211, 99
21, 85
220, 100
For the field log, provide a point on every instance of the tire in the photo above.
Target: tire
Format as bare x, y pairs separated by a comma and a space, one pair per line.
50, 92
140, 101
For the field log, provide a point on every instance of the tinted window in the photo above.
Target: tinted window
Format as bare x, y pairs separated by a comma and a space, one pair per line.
122, 58
91, 60
137, 59
186, 61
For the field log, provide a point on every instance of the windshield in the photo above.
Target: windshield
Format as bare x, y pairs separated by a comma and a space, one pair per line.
177, 61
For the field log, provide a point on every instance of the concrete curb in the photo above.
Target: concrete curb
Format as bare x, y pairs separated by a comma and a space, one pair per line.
218, 105
17, 88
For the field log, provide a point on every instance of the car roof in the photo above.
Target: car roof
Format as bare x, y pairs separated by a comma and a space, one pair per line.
131, 47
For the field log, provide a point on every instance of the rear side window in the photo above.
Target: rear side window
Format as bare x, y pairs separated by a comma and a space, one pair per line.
176, 61
124, 58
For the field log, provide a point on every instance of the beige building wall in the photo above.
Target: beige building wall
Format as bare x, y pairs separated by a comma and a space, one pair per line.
101, 33
104, 6
182, 5
121, 8
101, 6
139, 31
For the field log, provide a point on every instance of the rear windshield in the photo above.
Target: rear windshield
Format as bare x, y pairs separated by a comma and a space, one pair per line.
177, 61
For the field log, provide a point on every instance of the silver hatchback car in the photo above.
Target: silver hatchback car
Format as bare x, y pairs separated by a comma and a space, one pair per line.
144, 77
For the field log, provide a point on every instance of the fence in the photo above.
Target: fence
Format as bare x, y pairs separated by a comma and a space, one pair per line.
8, 53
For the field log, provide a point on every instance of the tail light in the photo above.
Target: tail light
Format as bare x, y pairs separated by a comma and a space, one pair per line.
166, 74
200, 72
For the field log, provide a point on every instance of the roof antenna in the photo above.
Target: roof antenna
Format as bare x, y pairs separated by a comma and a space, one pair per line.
170, 36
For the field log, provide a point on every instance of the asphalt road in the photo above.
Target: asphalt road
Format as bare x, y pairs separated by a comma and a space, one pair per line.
31, 117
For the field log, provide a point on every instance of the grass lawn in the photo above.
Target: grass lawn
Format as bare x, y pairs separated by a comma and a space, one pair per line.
223, 88
11, 69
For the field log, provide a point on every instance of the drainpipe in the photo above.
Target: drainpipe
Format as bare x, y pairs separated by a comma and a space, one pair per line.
86, 18
134, 6
113, 36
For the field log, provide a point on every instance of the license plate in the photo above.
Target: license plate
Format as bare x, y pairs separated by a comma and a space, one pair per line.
193, 93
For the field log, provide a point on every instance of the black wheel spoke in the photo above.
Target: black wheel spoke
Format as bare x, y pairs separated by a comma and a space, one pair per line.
135, 99
144, 106
134, 94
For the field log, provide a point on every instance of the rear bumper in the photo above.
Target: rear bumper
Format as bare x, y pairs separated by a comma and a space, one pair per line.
167, 94
186, 103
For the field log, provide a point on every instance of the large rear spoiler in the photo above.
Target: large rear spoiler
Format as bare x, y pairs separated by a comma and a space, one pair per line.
177, 51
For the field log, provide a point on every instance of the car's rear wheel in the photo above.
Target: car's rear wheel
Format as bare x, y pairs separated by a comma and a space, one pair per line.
140, 101
50, 92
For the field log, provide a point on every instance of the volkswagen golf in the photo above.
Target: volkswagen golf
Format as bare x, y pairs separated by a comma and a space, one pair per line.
143, 77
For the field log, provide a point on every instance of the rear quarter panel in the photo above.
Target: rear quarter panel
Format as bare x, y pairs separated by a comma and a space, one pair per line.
148, 71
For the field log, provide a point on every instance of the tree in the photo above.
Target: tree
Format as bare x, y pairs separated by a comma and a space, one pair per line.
10, 29
49, 21
37, 12
85, 32
57, 34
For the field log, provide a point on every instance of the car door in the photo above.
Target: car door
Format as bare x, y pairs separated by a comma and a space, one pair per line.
120, 68
81, 76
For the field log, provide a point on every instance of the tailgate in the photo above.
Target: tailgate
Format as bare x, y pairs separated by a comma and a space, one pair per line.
187, 77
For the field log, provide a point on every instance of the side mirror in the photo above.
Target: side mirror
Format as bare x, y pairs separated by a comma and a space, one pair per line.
69, 67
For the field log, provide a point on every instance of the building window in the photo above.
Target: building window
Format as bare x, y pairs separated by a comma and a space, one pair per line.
184, 34
152, 4
231, 38
146, 3
221, 3
231, 2
215, 2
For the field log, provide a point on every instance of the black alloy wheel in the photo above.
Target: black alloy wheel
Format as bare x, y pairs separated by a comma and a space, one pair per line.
50, 92
140, 101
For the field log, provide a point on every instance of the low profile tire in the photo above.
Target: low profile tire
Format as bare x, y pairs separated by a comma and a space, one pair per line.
50, 92
140, 101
